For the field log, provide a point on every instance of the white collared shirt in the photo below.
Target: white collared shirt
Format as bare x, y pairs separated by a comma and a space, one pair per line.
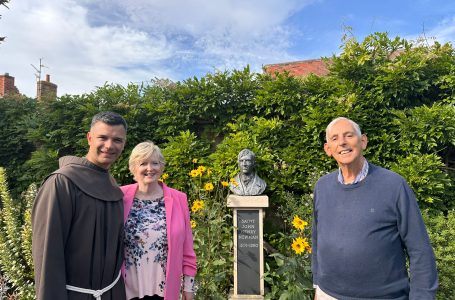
361, 176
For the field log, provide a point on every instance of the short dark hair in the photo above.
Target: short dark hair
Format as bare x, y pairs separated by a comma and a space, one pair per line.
110, 118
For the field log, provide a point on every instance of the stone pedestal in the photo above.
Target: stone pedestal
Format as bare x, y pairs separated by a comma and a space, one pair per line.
248, 246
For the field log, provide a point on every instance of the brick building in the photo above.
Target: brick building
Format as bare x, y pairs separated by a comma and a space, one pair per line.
7, 86
45, 89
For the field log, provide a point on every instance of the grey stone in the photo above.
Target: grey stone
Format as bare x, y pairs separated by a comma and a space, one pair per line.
248, 183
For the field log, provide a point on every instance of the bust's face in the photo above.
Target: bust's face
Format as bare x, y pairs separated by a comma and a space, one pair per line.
246, 164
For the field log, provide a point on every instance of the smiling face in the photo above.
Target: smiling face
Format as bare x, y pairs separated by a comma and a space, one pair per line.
106, 143
148, 171
345, 145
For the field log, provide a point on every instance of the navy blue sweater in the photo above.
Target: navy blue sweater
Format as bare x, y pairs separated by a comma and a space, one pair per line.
362, 234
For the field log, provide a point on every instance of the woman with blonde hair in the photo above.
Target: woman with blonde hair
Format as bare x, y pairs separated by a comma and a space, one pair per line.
158, 238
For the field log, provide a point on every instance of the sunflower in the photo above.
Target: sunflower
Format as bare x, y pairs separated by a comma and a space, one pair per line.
193, 224
224, 183
299, 223
208, 187
197, 206
299, 245
195, 173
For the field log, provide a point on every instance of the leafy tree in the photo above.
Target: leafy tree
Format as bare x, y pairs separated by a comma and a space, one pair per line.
427, 179
280, 97
15, 148
55, 131
427, 129
182, 153
204, 106
402, 73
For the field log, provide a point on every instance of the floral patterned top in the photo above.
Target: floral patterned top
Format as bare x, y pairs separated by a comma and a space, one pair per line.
145, 248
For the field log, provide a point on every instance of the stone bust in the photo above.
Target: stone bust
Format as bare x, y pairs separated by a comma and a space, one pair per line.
248, 182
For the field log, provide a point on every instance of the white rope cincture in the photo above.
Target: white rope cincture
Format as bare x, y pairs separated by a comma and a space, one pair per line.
96, 293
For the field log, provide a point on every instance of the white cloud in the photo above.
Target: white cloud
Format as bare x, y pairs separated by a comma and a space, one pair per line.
444, 31
78, 56
220, 34
86, 43
199, 16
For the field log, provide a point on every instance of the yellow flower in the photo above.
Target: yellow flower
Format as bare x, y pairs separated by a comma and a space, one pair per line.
224, 183
299, 245
193, 224
195, 173
194, 160
234, 183
208, 187
299, 223
164, 176
308, 249
201, 169
209, 172
197, 206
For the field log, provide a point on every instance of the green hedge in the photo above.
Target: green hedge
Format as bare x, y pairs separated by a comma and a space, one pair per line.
405, 104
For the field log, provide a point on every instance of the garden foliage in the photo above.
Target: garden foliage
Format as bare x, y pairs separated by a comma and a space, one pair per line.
441, 229
15, 239
212, 230
401, 92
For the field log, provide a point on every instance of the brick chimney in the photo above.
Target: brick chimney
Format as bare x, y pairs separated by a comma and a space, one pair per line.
46, 90
7, 86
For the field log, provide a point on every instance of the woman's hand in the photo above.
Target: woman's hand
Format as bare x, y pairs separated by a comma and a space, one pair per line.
187, 296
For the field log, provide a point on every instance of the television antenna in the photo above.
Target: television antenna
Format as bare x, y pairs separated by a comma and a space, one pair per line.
38, 75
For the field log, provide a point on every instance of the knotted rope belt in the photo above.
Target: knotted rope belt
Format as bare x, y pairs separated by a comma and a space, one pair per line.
96, 293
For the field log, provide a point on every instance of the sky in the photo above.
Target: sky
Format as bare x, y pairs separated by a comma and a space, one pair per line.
84, 44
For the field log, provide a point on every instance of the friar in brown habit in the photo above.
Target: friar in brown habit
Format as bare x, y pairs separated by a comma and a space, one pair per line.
77, 221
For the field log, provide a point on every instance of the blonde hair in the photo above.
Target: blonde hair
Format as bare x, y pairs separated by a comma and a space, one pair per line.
144, 151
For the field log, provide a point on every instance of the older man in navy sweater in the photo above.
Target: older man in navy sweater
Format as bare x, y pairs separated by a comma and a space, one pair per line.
366, 222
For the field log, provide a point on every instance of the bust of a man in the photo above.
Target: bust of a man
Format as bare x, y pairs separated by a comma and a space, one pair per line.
248, 182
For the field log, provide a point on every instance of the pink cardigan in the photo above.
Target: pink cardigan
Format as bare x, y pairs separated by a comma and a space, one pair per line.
181, 258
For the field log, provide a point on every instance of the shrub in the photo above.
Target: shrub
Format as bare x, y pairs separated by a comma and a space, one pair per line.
212, 231
15, 239
441, 230
179, 152
427, 179
288, 269
15, 147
